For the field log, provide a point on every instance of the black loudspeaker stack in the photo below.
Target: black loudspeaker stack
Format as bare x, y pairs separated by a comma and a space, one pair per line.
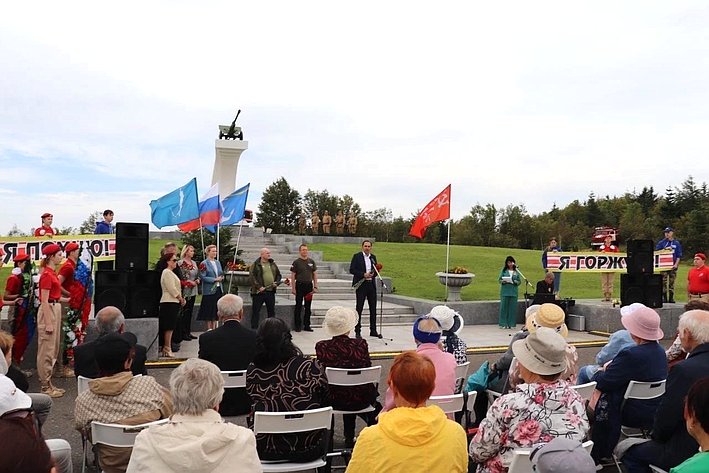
640, 284
132, 246
135, 293
131, 287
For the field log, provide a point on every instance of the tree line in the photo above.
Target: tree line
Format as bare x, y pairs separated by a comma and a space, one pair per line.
637, 215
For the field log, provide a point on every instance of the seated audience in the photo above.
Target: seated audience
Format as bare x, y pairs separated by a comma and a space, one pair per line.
282, 379
118, 397
342, 351
671, 443
412, 437
644, 361
231, 347
451, 323
696, 414
562, 454
544, 407
196, 439
675, 353
545, 315
616, 342
23, 448
427, 334
108, 320
41, 403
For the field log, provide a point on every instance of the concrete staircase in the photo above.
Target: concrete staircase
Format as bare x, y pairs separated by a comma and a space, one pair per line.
334, 283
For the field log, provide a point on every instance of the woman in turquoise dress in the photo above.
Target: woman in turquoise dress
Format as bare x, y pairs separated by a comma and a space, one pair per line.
509, 288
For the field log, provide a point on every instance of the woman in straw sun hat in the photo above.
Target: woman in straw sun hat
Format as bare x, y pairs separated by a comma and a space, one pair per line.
644, 361
342, 351
545, 406
549, 316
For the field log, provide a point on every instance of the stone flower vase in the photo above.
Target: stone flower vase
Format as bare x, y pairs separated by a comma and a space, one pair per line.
454, 282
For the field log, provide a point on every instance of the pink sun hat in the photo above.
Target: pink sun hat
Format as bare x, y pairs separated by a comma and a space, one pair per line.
643, 323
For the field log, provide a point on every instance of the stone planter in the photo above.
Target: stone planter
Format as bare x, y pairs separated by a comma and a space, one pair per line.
240, 279
454, 282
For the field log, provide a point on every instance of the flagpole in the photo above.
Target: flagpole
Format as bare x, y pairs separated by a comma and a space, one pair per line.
201, 232
448, 255
236, 251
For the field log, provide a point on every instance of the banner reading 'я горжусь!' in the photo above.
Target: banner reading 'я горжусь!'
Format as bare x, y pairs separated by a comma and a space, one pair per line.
568, 262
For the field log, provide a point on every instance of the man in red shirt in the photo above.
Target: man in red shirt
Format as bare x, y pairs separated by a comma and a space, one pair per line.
607, 278
698, 277
46, 229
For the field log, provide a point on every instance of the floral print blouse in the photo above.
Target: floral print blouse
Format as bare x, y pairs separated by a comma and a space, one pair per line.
190, 272
533, 414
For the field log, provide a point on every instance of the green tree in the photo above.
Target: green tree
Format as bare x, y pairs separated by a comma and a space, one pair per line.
88, 226
16, 232
279, 207
320, 201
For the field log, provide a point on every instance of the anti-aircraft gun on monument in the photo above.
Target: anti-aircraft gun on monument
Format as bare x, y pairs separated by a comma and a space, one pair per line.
231, 132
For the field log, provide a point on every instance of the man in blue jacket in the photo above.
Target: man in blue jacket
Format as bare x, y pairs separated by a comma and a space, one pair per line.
668, 277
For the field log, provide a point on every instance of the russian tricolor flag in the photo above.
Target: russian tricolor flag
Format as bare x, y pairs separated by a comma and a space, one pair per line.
209, 211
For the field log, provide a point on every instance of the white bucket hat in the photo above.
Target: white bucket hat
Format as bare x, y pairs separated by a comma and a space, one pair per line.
339, 320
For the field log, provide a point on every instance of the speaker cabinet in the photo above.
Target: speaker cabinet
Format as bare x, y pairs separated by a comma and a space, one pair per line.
144, 295
132, 246
111, 290
644, 288
135, 293
640, 257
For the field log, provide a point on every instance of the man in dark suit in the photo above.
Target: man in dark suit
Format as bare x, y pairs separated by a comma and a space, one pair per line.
231, 347
363, 273
108, 320
671, 444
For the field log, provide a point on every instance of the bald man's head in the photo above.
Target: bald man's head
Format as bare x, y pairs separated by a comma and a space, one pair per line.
110, 320
265, 254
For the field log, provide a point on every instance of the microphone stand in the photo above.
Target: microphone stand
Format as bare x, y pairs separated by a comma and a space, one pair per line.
526, 285
381, 302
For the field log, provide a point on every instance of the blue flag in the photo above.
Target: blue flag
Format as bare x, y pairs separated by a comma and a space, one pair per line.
233, 207
179, 206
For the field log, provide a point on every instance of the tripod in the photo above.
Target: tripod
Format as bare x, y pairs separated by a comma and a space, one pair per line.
382, 286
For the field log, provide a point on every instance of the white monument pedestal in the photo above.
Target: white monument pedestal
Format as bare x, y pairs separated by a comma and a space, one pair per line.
226, 162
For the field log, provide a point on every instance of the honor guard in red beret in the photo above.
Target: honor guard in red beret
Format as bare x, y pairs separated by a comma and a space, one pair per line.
46, 229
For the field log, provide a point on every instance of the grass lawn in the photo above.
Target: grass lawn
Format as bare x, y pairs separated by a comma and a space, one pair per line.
412, 266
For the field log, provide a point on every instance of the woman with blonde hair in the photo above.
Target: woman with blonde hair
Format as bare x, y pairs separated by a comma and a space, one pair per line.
189, 271
211, 275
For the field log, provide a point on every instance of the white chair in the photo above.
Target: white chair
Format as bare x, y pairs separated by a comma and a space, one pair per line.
82, 384
641, 390
521, 462
657, 469
451, 403
115, 435
293, 422
118, 435
461, 375
585, 390
234, 379
354, 377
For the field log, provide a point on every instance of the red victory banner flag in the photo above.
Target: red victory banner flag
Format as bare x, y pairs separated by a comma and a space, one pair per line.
435, 211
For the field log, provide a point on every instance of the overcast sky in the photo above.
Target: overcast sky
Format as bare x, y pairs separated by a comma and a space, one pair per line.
111, 105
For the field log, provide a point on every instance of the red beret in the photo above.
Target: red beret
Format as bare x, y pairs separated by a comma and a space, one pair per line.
51, 249
701, 255
21, 257
47, 214
71, 247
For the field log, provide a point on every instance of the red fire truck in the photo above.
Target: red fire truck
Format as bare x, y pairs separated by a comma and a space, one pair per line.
600, 234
